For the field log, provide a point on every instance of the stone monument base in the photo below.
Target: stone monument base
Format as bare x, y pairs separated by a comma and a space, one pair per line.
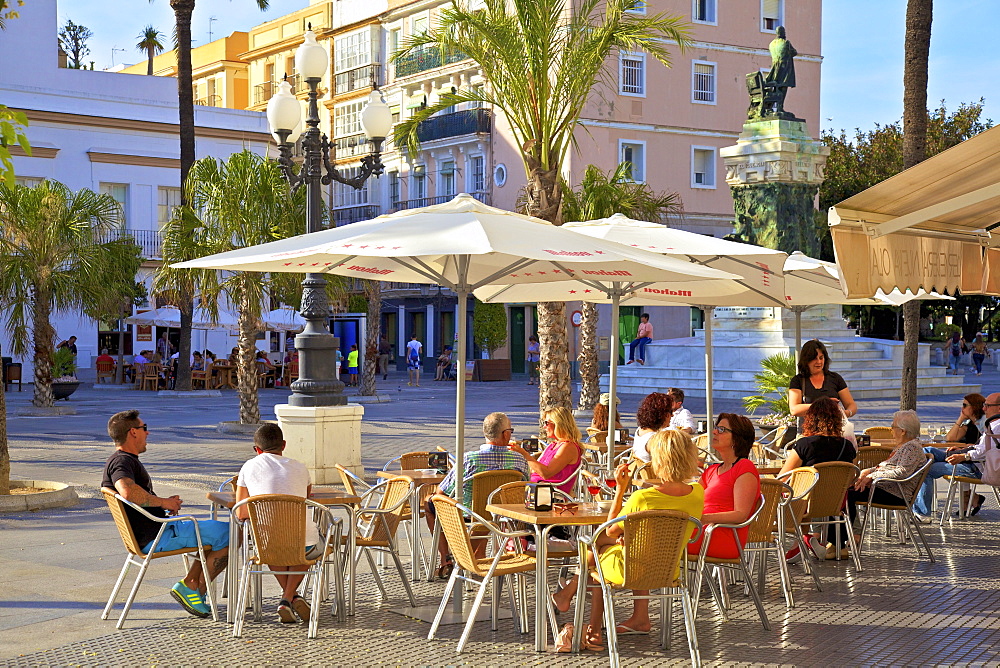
322, 437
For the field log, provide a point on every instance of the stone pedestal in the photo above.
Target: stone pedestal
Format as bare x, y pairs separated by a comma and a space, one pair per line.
774, 172
321, 437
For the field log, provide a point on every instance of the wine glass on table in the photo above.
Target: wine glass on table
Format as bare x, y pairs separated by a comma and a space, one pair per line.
611, 482
595, 490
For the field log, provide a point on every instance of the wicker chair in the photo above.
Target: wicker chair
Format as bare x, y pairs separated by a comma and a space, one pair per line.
953, 482
738, 564
654, 543
879, 433
801, 481
826, 502
275, 535
451, 515
377, 526
353, 484
903, 511
136, 557
766, 532
870, 456
409, 461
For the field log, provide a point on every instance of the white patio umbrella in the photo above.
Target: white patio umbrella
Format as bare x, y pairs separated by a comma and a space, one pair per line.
170, 317
284, 319
463, 245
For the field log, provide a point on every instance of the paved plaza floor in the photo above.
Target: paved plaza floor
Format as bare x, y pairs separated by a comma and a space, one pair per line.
57, 566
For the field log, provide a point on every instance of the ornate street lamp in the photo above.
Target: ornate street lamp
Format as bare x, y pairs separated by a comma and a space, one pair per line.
317, 384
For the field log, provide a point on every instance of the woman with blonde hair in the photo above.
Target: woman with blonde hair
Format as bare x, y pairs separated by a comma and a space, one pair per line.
561, 457
675, 461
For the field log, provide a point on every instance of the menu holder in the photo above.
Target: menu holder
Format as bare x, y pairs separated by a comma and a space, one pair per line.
438, 461
538, 496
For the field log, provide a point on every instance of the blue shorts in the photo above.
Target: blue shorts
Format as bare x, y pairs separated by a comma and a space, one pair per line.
179, 535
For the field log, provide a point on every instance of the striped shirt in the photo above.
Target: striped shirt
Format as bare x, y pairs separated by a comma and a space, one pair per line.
488, 457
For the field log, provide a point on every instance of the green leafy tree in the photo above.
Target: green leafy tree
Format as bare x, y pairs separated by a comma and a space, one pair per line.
541, 60
150, 44
489, 326
772, 385
185, 104
54, 259
73, 40
11, 132
600, 195
241, 202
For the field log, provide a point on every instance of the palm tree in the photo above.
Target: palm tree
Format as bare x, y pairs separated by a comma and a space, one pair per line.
241, 202
917, 46
185, 104
54, 257
541, 60
601, 195
150, 44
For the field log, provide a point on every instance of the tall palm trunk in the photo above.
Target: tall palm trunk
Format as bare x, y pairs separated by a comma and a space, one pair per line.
4, 447
43, 334
185, 105
149, 64
246, 370
590, 387
916, 48
373, 293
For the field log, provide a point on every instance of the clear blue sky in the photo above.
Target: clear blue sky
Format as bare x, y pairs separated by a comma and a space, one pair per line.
862, 48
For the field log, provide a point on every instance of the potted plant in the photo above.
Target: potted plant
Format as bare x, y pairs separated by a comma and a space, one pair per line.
489, 332
64, 380
772, 384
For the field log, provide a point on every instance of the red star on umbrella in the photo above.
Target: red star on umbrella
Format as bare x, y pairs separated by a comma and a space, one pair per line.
572, 292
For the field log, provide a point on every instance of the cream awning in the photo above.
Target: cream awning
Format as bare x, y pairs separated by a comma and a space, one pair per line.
927, 227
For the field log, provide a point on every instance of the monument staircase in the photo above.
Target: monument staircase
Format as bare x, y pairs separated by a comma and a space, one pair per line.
873, 368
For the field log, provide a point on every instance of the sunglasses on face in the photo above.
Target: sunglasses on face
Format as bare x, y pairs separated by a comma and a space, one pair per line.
144, 427
550, 422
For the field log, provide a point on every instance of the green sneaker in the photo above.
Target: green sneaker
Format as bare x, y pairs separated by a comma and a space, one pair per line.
190, 600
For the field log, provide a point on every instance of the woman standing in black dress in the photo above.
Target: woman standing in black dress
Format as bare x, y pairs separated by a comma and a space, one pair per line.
815, 381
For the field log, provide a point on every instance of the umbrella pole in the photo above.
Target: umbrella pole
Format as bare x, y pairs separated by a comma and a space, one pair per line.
462, 290
798, 333
613, 375
709, 408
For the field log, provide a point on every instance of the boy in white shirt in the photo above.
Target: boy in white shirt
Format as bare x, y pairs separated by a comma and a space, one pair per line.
682, 418
272, 473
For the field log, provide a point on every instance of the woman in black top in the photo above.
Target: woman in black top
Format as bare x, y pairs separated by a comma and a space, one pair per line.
815, 381
966, 429
823, 439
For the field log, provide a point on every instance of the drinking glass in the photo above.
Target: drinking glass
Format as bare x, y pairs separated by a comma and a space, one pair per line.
595, 490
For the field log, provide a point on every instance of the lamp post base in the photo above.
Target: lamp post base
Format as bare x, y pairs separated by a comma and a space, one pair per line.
322, 437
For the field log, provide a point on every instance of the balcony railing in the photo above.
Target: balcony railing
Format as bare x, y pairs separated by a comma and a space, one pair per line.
209, 101
353, 214
459, 123
482, 196
263, 92
427, 59
148, 241
353, 146
367, 76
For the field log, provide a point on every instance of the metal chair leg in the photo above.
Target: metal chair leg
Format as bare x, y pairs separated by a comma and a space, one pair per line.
117, 587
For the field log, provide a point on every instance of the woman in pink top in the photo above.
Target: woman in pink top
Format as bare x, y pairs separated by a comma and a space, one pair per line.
561, 456
732, 487
643, 338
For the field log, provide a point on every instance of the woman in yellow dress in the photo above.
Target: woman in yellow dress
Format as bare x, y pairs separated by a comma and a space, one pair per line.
675, 462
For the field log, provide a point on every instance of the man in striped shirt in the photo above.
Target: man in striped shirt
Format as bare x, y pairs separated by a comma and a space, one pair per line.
492, 456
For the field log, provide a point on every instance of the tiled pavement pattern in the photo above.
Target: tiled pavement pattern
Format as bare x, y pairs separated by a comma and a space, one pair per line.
57, 567
899, 611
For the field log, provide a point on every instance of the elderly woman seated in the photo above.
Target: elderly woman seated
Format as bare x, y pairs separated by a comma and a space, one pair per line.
907, 457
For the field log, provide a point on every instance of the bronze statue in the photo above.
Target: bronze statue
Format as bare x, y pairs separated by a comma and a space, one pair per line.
767, 93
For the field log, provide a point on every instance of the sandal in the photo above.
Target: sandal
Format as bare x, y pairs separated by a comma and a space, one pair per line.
444, 572
591, 640
564, 641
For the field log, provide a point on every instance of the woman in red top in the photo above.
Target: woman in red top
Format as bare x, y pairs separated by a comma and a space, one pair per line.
732, 487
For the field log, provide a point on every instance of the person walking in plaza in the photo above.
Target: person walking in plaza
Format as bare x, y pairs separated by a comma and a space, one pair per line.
962, 459
124, 473
414, 349
495, 455
384, 352
533, 357
69, 343
643, 338
956, 348
270, 472
979, 353
352, 365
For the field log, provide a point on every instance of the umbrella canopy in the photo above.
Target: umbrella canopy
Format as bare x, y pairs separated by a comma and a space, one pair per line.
284, 319
463, 245
170, 316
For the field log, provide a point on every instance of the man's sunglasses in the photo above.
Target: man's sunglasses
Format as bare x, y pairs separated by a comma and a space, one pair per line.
144, 427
